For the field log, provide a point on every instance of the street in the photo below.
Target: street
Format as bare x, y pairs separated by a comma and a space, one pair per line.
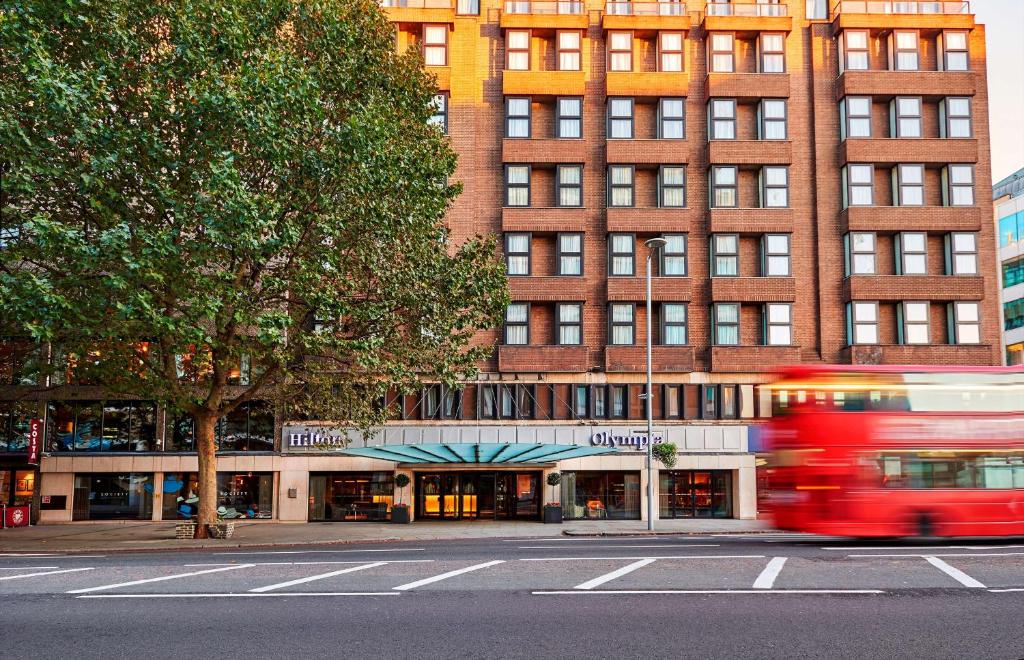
764, 595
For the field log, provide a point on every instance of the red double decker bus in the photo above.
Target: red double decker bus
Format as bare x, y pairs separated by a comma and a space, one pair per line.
898, 451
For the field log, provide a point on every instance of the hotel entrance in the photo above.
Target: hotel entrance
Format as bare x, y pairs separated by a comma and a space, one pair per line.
695, 494
478, 495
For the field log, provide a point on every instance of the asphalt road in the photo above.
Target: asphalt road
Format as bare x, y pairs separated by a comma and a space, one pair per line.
764, 596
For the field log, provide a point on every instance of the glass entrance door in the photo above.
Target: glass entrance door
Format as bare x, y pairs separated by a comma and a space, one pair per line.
483, 495
696, 494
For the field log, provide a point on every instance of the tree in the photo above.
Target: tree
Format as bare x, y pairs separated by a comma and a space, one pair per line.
196, 189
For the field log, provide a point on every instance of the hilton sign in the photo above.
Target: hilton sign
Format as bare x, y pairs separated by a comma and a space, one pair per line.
637, 441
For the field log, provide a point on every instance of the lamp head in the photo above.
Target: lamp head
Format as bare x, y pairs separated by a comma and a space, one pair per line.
655, 243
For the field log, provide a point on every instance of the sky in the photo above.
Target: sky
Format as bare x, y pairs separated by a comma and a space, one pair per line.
1004, 32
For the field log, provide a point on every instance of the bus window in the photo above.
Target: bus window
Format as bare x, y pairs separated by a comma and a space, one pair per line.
950, 470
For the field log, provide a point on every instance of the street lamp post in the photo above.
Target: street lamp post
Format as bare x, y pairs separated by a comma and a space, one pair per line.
653, 245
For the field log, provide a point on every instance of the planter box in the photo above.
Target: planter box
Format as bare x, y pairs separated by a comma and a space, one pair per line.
400, 515
221, 530
553, 515
185, 530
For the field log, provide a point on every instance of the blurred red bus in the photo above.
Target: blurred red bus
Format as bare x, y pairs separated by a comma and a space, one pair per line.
898, 451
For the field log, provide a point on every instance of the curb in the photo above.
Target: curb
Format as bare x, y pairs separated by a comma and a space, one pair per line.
568, 532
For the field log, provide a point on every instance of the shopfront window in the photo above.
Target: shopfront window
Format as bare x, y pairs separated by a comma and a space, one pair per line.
113, 496
180, 495
693, 494
17, 487
14, 420
351, 496
250, 427
601, 495
122, 426
245, 495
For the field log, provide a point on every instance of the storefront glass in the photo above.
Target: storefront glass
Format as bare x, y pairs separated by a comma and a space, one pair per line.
245, 495
113, 496
102, 425
601, 495
351, 496
17, 487
14, 421
248, 428
695, 494
478, 495
180, 495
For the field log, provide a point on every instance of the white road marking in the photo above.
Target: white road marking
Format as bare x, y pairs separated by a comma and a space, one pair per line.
1004, 591
318, 563
28, 575
647, 557
445, 576
247, 595
949, 554
313, 578
159, 579
26, 568
51, 556
314, 552
955, 573
662, 545
711, 591
928, 547
619, 572
766, 580
25, 554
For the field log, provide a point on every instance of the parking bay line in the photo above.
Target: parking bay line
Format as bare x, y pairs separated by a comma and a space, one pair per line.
662, 545
628, 592
317, 563
28, 575
158, 579
766, 580
445, 576
313, 578
1006, 591
26, 568
314, 552
955, 573
665, 557
287, 594
619, 572
947, 554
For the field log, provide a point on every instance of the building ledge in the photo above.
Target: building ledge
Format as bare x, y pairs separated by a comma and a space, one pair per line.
892, 219
545, 219
663, 289
753, 358
750, 152
890, 151
753, 289
913, 287
647, 83
541, 359
543, 150
747, 85
548, 288
887, 84
650, 220
930, 354
648, 152
751, 221
543, 83
664, 359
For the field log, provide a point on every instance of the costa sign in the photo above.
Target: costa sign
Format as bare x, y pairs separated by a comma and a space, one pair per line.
626, 440
35, 440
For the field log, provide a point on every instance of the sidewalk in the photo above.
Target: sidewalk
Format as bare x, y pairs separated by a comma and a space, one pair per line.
113, 537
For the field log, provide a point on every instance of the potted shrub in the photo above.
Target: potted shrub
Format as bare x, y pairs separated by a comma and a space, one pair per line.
553, 511
400, 511
665, 453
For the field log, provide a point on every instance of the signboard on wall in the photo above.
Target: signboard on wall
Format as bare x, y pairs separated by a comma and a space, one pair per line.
16, 516
35, 440
627, 441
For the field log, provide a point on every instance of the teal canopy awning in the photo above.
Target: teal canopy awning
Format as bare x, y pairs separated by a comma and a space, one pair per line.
492, 453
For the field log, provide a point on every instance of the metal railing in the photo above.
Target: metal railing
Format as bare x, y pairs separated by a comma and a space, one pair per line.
645, 8
417, 4
901, 7
746, 9
544, 7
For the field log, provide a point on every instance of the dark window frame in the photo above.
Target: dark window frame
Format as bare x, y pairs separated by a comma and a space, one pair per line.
561, 253
560, 185
612, 323
516, 324
528, 254
559, 323
510, 186
613, 254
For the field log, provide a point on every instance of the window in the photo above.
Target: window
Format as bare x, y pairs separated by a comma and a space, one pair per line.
517, 324
957, 115
435, 45
966, 322
773, 56
673, 256
620, 185
773, 119
517, 253
568, 50
863, 322
860, 183
723, 119
670, 51
909, 185
570, 185
672, 408
855, 53
580, 401
912, 253
126, 426
723, 185
621, 247
954, 47
620, 51
722, 58
517, 185
599, 399
620, 119
960, 181
439, 114
673, 324
778, 324
908, 116
962, 254
1013, 272
726, 322
570, 324
620, 401
621, 320
570, 254
517, 50
914, 323
570, 118
858, 117
775, 255
672, 186
671, 119
725, 256
517, 117
860, 253
774, 187
905, 47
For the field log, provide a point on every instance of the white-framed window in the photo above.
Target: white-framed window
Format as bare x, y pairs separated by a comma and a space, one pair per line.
569, 49
671, 118
912, 253
909, 185
954, 51
962, 253
517, 253
620, 118
673, 324
570, 324
622, 254
570, 254
959, 185
439, 112
725, 320
956, 117
775, 255
569, 181
778, 324
517, 185
620, 185
517, 50
860, 253
517, 117
859, 186
435, 45
723, 119
906, 56
620, 51
856, 112
773, 53
965, 319
914, 327
517, 324
907, 119
673, 256
773, 119
570, 117
862, 322
723, 186
855, 50
670, 51
672, 186
725, 255
621, 324
723, 59
775, 186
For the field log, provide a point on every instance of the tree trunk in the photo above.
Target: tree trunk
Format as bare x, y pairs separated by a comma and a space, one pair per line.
207, 450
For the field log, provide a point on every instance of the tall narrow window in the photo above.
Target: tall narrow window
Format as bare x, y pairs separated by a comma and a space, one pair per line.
620, 119
858, 116
439, 112
517, 253
620, 401
570, 324
672, 186
778, 324
774, 187
726, 322
568, 50
570, 185
966, 323
517, 117
670, 51
863, 322
723, 185
905, 51
860, 254
722, 57
962, 254
725, 255
957, 111
855, 50
621, 320
776, 255
570, 117
673, 256
773, 119
517, 50
954, 55
570, 254
581, 400
620, 51
671, 118
914, 326
909, 185
620, 185
908, 116
435, 45
860, 183
517, 185
517, 324
599, 396
723, 119
673, 324
773, 53
960, 184
622, 253
912, 253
